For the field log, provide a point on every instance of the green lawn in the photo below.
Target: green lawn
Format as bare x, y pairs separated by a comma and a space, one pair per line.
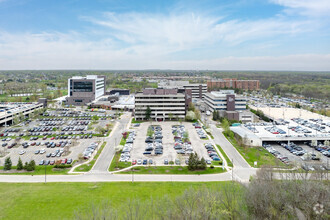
136, 122
116, 165
88, 166
40, 170
62, 200
171, 170
230, 164
259, 154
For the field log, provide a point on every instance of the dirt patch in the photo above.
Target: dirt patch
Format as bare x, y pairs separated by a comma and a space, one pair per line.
167, 171
179, 168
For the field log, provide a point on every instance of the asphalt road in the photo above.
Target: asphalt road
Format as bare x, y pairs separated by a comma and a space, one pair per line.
241, 175
228, 148
103, 162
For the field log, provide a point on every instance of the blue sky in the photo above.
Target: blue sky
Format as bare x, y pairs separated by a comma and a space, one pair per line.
191, 35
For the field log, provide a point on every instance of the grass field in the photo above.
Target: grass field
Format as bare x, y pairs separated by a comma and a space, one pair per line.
230, 164
62, 200
40, 170
171, 170
88, 166
258, 154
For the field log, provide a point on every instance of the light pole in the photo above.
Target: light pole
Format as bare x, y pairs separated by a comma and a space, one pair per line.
45, 174
132, 175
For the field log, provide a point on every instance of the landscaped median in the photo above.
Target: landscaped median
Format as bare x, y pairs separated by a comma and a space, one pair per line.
115, 163
252, 154
229, 163
88, 166
170, 170
39, 170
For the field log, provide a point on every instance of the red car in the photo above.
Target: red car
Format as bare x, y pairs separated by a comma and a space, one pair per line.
52, 162
44, 138
133, 162
52, 138
63, 161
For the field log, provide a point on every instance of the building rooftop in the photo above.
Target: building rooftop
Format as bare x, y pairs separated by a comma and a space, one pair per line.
160, 91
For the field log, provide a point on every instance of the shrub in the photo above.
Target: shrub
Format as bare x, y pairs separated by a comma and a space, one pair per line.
63, 166
212, 167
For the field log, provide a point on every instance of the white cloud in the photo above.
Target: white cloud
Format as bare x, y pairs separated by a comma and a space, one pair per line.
66, 51
315, 8
142, 41
189, 31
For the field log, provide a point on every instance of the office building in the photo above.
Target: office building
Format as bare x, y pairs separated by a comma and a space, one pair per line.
233, 84
197, 89
165, 104
228, 104
83, 90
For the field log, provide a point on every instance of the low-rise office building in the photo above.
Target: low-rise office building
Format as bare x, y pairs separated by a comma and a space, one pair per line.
229, 105
197, 89
165, 104
83, 90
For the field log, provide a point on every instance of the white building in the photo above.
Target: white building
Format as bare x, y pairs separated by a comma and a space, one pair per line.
82, 90
225, 100
164, 104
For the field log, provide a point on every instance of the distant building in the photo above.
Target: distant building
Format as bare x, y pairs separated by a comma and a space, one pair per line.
234, 84
119, 91
197, 89
229, 105
165, 104
83, 90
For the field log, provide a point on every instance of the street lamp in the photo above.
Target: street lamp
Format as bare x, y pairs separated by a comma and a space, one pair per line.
45, 173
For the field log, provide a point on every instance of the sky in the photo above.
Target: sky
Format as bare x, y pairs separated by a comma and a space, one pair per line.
279, 35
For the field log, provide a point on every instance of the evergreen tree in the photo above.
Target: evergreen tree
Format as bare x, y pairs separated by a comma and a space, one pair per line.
202, 164
32, 165
8, 164
19, 164
26, 165
148, 113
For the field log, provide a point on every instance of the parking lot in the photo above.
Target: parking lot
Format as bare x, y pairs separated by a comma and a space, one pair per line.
298, 154
57, 134
169, 152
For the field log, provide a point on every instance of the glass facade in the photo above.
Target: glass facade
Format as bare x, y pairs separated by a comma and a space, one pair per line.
83, 86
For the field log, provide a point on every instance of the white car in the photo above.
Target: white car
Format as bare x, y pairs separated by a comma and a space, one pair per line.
22, 152
42, 151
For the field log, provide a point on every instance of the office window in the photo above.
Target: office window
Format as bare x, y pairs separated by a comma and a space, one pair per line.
83, 86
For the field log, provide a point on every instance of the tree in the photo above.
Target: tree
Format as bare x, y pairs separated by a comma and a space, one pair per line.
30, 166
190, 116
100, 130
19, 164
148, 113
170, 115
191, 107
202, 164
16, 120
216, 115
197, 114
8, 164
